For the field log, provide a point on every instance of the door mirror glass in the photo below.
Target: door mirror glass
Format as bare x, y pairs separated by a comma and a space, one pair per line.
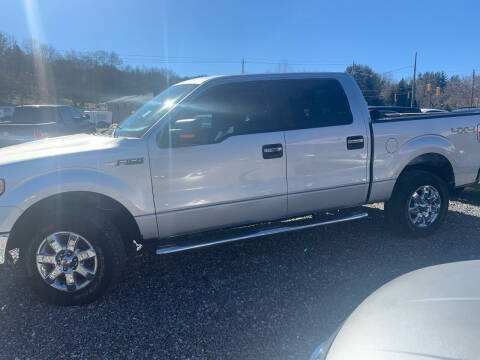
187, 132
184, 132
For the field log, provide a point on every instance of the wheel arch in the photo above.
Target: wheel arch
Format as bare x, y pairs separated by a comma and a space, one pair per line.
435, 163
95, 204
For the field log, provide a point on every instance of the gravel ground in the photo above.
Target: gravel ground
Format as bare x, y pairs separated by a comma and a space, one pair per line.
274, 298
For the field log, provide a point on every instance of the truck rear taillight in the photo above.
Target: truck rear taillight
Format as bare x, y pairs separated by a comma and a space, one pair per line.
2, 186
37, 134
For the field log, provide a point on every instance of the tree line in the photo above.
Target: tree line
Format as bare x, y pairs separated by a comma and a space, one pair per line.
34, 73
432, 89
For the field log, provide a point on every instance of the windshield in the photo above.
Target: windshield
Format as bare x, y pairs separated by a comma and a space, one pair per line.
144, 118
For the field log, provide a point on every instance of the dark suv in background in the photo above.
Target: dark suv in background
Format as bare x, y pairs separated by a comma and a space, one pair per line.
33, 122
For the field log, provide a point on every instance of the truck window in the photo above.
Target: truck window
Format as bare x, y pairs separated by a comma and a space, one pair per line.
313, 103
76, 114
149, 114
34, 115
223, 111
66, 114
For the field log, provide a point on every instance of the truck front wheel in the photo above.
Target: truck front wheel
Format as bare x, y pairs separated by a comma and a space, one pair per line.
419, 203
73, 260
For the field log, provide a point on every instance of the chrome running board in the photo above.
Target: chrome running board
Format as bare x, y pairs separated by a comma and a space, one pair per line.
273, 228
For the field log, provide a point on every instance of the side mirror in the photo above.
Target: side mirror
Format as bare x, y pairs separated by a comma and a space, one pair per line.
183, 133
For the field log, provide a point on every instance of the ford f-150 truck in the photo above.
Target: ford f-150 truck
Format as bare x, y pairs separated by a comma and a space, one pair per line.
33, 122
246, 156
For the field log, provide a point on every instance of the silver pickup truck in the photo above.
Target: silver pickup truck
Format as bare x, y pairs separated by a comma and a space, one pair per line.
246, 156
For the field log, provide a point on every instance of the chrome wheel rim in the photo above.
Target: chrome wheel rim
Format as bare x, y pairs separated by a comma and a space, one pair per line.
66, 261
424, 206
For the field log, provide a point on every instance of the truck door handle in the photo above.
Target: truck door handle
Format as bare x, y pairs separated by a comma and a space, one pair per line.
355, 142
272, 151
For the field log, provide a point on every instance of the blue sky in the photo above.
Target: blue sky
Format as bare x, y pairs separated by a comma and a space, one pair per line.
381, 33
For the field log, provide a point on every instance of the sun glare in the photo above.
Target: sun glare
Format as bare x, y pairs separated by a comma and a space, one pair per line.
42, 78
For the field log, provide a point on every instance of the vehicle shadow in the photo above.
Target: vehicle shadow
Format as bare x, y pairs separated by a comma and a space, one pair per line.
469, 196
275, 297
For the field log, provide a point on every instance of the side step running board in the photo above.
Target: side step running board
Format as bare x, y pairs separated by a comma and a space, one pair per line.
254, 232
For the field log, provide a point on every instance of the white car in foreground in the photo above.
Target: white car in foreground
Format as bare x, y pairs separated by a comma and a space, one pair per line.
432, 313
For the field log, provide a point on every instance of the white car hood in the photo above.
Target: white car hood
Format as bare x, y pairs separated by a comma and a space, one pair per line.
432, 313
55, 147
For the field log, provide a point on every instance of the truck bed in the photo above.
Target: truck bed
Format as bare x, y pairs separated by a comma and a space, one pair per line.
12, 134
397, 139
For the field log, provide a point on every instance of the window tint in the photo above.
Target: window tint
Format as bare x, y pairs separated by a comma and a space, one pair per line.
315, 103
76, 114
66, 113
223, 111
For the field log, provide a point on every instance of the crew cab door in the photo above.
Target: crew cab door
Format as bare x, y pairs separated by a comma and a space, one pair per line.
326, 147
219, 160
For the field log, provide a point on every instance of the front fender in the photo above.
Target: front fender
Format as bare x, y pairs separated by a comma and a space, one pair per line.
138, 200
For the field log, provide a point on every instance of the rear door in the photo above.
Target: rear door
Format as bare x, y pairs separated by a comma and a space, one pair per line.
220, 161
326, 147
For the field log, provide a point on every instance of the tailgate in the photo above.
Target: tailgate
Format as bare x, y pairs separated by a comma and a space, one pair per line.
11, 134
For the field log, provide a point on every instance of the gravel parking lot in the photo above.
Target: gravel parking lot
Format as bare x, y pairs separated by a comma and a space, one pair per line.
274, 298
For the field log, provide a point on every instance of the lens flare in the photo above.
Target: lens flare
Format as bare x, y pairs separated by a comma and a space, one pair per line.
40, 53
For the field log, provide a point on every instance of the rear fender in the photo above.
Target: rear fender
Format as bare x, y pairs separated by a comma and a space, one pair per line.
429, 144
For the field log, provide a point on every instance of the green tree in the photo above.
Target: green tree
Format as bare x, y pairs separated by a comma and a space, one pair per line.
400, 94
370, 82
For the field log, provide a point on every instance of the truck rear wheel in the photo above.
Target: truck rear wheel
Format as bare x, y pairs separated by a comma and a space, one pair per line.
73, 260
419, 204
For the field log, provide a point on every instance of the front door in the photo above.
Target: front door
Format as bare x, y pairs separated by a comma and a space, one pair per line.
219, 161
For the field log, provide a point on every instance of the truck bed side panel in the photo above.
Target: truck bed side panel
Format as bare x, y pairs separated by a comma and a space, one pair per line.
397, 143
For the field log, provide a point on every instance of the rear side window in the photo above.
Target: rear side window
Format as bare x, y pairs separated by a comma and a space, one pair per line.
313, 103
223, 111
34, 115
66, 113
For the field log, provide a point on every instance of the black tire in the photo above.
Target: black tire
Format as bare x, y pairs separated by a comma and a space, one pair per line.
104, 238
397, 208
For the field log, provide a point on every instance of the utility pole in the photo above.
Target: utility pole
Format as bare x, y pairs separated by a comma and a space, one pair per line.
243, 66
412, 100
473, 87
353, 68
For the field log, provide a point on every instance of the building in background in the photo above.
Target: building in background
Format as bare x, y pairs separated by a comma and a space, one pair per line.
121, 108
6, 112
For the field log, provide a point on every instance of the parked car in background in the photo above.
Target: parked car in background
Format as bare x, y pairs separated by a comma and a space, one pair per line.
280, 152
102, 119
397, 109
430, 111
6, 112
467, 109
378, 112
432, 313
34, 122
